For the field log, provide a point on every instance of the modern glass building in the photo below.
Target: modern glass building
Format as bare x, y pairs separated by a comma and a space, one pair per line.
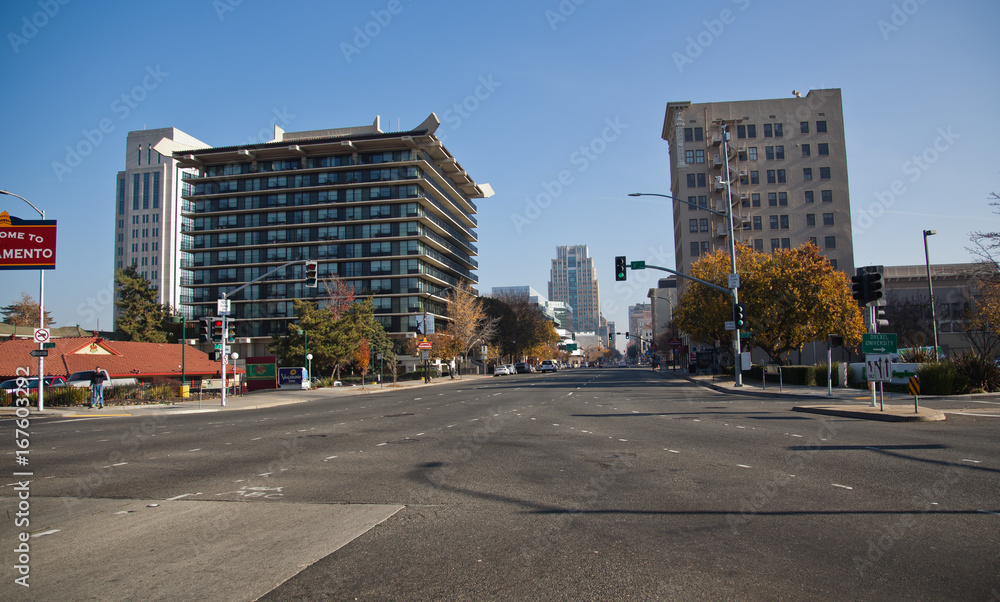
392, 214
573, 280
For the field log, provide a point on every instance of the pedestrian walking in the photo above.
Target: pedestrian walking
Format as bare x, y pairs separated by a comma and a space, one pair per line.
97, 388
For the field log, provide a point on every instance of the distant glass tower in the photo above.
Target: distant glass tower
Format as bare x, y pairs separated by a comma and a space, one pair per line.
573, 280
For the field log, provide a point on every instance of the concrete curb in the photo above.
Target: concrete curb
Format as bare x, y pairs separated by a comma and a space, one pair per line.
890, 414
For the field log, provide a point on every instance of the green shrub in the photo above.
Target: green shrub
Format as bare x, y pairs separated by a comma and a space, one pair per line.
976, 373
821, 371
937, 378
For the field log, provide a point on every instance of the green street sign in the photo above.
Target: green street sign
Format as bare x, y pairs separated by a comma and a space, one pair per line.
48, 345
745, 335
878, 343
638, 265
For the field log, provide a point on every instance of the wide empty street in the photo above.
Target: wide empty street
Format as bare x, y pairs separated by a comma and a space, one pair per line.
599, 484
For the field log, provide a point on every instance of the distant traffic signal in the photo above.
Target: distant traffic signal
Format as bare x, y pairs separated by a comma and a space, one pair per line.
620, 269
311, 274
739, 314
880, 319
873, 287
206, 330
858, 288
611, 338
626, 335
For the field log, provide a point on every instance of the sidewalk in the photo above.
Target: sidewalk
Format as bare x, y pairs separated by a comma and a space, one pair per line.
841, 401
251, 401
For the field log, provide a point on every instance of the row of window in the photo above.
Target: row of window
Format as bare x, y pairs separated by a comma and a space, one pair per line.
351, 195
704, 247
308, 179
311, 162
774, 199
773, 176
776, 130
776, 222
332, 214
339, 251
148, 192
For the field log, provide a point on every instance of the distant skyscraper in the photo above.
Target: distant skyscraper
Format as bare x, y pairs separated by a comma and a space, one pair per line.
573, 280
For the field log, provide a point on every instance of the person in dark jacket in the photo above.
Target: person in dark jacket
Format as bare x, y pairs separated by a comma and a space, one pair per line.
97, 388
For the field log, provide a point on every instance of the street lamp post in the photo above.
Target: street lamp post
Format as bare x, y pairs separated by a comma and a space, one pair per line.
930, 289
183, 322
41, 311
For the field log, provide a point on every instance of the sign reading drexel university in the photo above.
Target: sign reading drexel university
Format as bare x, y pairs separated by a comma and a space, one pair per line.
27, 244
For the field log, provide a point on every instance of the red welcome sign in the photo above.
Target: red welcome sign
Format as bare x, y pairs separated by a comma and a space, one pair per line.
27, 244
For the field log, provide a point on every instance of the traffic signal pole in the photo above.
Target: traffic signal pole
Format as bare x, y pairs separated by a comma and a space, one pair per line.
737, 345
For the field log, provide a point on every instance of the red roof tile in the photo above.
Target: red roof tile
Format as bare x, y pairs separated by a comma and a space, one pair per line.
122, 359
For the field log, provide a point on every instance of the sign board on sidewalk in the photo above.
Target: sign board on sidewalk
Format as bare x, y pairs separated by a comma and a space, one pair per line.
879, 368
878, 343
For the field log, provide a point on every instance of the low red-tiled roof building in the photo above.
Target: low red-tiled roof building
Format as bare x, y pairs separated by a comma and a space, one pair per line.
122, 359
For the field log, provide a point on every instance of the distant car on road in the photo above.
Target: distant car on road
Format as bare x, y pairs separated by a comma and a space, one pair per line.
501, 370
522, 368
548, 366
623, 364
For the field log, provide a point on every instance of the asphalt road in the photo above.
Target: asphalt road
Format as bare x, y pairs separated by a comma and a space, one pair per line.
584, 484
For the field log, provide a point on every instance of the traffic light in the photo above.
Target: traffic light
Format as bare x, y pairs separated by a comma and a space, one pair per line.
620, 267
230, 331
873, 288
217, 332
311, 274
611, 338
626, 335
880, 319
574, 336
206, 330
739, 314
836, 340
858, 282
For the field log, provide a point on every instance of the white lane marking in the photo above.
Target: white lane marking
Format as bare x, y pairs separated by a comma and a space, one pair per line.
568, 394
103, 440
799, 436
623, 439
120, 464
195, 449
741, 427
416, 399
381, 444
329, 458
673, 451
418, 434
973, 461
555, 425
256, 439
971, 414
697, 419
841, 486
177, 497
743, 466
449, 426
43, 533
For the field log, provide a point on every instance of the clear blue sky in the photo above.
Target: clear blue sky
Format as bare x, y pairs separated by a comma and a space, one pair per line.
555, 77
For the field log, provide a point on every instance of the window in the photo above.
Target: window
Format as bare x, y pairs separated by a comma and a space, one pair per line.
701, 181
803, 127
693, 203
830, 242
826, 196
810, 219
775, 244
779, 152
772, 199
703, 202
156, 190
806, 151
121, 196
758, 244
773, 222
752, 153
703, 223
782, 199
744, 179
691, 183
758, 223
755, 199
778, 133
769, 153
699, 156
812, 241
771, 178
807, 173
754, 177
784, 222
689, 156
693, 134
135, 192
692, 225
809, 196
824, 173
694, 249
751, 131
145, 190
767, 130
833, 263
741, 131
786, 243
781, 176
823, 149
827, 219
704, 247
820, 127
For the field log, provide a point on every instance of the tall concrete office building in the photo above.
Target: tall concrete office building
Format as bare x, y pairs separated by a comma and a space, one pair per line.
788, 168
573, 280
148, 211
392, 214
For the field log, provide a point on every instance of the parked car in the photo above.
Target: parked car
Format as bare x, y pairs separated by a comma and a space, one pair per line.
548, 366
522, 368
82, 379
10, 386
501, 370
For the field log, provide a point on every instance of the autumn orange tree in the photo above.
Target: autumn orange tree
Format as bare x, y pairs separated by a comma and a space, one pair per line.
792, 297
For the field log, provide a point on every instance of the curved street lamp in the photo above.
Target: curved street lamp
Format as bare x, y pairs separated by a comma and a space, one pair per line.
41, 311
930, 289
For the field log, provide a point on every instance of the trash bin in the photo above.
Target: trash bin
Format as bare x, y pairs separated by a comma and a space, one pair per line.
185, 391
693, 368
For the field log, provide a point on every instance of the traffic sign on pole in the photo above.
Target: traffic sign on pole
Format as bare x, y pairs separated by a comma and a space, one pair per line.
883, 342
41, 335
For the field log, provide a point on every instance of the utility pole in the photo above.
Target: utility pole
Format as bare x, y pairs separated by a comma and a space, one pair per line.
737, 360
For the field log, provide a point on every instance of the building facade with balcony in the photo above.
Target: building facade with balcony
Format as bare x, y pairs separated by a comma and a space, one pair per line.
788, 172
390, 214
